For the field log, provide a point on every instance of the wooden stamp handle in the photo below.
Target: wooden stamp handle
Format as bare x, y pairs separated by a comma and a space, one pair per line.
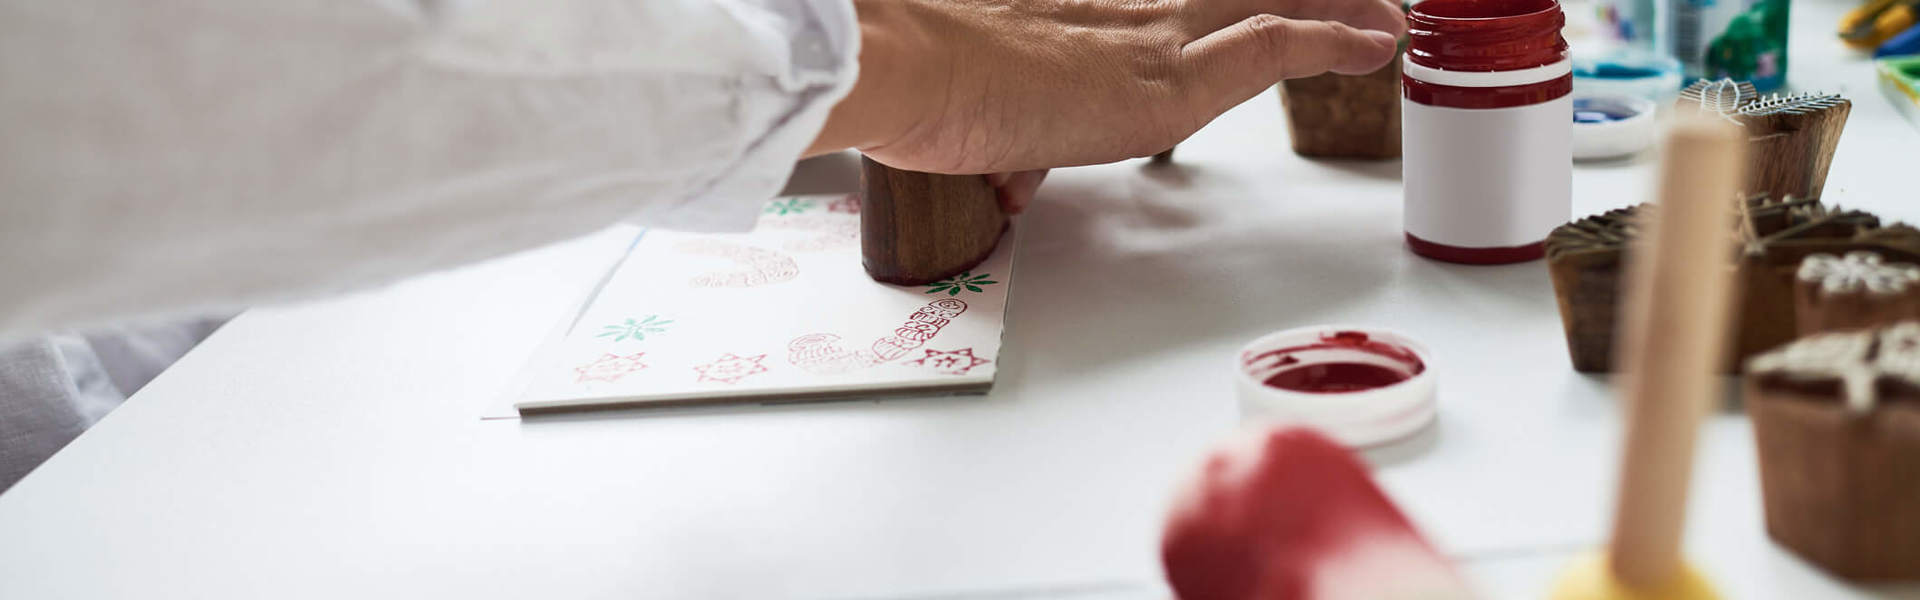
1674, 339
917, 228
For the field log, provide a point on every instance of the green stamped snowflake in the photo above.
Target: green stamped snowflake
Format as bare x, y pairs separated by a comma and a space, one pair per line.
790, 206
964, 281
635, 330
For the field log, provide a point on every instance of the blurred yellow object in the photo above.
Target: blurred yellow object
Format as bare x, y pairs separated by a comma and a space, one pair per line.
1876, 21
1590, 579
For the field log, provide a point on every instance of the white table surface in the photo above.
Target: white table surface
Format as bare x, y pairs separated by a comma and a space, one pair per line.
334, 449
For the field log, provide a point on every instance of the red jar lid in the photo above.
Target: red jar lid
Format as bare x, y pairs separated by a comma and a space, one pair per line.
1485, 35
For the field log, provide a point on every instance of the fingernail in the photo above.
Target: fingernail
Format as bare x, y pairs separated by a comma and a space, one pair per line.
1381, 38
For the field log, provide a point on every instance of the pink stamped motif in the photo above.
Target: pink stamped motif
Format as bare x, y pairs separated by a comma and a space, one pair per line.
836, 231
848, 204
821, 353
730, 368
763, 267
957, 362
609, 368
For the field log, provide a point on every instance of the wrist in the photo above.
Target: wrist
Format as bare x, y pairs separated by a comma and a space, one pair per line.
886, 100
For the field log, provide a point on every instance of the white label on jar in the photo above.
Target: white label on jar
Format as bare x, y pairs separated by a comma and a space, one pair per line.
1487, 178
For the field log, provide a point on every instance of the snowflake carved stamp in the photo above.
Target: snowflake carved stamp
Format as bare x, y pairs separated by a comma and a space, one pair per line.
761, 266
609, 368
731, 368
1855, 360
956, 362
1856, 272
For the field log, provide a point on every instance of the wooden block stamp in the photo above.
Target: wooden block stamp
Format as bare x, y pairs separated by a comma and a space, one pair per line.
1836, 417
1772, 238
1345, 116
917, 228
1854, 291
1790, 138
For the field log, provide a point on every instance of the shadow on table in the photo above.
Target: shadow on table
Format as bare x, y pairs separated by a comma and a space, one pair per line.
1388, 170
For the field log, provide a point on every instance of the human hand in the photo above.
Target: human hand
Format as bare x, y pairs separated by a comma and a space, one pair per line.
1007, 87
1016, 189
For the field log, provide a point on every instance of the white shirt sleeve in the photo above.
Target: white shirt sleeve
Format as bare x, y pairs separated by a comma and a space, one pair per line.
187, 154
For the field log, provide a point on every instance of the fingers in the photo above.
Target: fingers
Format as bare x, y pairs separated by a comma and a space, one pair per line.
1207, 16
1231, 65
1016, 189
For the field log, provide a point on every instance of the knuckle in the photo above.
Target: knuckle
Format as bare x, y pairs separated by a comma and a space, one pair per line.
1272, 32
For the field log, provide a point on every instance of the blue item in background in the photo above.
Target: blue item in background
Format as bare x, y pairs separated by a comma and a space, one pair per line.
1627, 72
1907, 42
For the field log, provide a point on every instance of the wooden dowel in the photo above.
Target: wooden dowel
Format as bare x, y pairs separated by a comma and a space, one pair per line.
1674, 339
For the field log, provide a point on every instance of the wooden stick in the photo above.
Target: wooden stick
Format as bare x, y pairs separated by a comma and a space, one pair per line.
1674, 339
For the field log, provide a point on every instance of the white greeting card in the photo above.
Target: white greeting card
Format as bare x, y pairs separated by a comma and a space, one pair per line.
785, 313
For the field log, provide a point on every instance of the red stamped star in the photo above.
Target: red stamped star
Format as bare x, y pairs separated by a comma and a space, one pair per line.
730, 368
957, 362
609, 367
849, 204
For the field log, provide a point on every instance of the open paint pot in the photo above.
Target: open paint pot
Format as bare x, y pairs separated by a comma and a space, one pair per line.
1611, 126
1364, 386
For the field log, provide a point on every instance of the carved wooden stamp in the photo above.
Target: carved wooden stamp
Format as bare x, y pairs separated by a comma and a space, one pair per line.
1855, 291
1836, 417
1790, 139
1345, 116
1583, 257
917, 228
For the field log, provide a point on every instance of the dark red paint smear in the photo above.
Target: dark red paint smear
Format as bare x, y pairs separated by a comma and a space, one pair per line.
1263, 536
1335, 377
1478, 256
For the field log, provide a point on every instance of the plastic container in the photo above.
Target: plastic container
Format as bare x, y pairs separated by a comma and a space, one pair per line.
1486, 128
1742, 40
1611, 126
1364, 386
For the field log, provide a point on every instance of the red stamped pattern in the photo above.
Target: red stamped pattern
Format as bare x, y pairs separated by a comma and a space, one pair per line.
761, 266
609, 368
835, 231
731, 368
822, 354
848, 205
956, 362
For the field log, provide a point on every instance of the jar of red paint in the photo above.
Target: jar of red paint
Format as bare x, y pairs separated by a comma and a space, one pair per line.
1486, 128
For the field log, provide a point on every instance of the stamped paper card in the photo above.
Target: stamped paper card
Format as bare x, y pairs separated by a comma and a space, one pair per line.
785, 313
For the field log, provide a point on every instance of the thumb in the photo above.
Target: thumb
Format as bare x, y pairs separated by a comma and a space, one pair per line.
1231, 65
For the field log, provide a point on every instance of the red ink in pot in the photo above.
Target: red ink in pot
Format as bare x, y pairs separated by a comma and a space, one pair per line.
1336, 377
1363, 386
1486, 129
1370, 364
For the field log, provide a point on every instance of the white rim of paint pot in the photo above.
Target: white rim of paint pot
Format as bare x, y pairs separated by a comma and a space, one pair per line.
1486, 79
1358, 419
1613, 139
